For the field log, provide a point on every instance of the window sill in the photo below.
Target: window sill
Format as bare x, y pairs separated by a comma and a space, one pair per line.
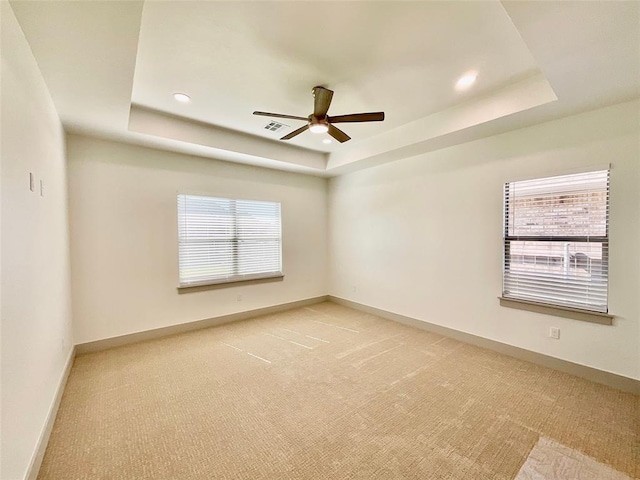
557, 310
215, 284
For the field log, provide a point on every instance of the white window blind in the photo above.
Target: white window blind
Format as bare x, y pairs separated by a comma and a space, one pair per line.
556, 243
223, 240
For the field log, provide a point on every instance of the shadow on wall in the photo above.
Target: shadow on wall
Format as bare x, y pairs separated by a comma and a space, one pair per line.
158, 159
449, 153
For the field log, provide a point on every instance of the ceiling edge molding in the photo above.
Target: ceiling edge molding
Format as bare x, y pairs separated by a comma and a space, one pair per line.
439, 130
223, 143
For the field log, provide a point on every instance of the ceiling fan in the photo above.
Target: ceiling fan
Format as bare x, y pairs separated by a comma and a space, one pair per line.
320, 122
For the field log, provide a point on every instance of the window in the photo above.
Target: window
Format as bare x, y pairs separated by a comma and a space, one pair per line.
224, 240
556, 241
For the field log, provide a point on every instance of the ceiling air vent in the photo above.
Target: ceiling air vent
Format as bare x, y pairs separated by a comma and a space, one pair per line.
275, 126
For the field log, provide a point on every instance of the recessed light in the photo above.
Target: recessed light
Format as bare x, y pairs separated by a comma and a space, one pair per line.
326, 140
182, 97
466, 80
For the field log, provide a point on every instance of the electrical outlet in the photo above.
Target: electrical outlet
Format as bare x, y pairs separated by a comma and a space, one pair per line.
32, 181
554, 332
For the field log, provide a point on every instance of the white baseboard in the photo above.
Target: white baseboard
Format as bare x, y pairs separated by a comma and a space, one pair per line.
38, 454
593, 374
589, 373
112, 342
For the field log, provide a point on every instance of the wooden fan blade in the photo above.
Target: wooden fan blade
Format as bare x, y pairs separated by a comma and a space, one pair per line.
358, 117
322, 100
279, 115
295, 132
338, 134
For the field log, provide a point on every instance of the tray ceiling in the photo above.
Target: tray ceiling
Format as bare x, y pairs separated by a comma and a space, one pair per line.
112, 67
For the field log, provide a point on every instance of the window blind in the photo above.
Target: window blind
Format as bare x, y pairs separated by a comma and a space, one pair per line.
222, 240
556, 243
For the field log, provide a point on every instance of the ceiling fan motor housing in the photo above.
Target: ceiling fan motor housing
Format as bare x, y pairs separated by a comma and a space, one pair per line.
320, 122
319, 119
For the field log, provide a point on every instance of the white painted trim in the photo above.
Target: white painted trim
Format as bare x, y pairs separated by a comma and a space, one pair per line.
562, 170
127, 339
41, 447
558, 310
613, 380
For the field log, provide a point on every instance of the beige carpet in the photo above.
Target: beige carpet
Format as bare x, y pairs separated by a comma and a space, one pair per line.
326, 392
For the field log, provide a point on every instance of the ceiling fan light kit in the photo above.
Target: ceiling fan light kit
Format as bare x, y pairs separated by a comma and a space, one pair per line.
319, 127
320, 122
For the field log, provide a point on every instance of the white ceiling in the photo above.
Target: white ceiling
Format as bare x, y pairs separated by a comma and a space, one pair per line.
111, 68
402, 58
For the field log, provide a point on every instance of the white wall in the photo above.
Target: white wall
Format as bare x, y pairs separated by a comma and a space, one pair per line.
422, 236
124, 236
36, 308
